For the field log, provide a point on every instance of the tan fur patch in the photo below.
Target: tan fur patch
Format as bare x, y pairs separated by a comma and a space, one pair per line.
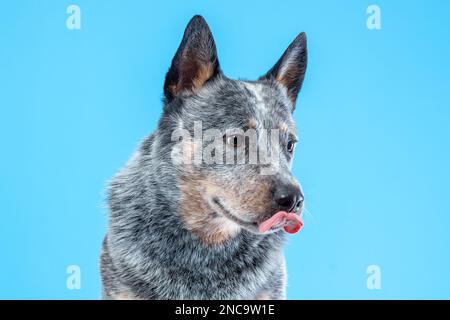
255, 197
193, 75
248, 198
204, 73
265, 295
287, 81
199, 217
124, 296
252, 123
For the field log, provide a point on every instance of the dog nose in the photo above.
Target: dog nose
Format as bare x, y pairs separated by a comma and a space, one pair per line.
288, 198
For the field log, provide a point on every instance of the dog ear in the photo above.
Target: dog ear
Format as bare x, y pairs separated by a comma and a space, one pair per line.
290, 69
195, 61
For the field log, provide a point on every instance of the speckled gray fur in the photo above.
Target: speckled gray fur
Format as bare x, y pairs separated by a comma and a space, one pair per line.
148, 253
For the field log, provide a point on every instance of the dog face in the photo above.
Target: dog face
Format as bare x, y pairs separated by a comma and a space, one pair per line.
231, 141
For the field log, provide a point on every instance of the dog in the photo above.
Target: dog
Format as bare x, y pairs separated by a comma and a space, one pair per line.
192, 230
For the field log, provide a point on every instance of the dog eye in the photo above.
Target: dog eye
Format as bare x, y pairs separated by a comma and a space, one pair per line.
290, 146
235, 140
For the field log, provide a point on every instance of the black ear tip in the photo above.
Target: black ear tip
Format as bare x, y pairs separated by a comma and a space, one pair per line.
197, 21
301, 39
198, 17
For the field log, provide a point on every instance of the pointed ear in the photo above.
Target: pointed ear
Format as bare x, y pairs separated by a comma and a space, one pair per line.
195, 61
290, 69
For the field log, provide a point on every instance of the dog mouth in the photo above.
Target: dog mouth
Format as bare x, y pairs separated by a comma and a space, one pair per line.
250, 225
289, 221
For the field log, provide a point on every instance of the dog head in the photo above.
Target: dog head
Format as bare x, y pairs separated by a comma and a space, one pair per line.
232, 141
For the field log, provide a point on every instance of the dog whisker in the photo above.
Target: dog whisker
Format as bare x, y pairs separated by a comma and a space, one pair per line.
309, 215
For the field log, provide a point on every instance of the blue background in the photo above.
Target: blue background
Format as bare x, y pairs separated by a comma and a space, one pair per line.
373, 118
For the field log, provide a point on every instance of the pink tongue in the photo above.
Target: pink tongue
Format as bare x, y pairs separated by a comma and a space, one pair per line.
290, 221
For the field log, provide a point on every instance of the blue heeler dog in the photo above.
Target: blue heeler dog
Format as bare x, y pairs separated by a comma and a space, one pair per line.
181, 229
